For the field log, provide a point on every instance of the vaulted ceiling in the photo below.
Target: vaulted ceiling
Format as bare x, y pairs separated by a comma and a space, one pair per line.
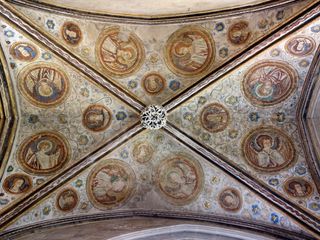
241, 88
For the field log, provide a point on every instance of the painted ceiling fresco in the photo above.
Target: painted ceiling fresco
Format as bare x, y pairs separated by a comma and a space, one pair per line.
234, 148
153, 63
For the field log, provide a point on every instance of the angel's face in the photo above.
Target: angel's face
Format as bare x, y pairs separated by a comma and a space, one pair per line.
267, 144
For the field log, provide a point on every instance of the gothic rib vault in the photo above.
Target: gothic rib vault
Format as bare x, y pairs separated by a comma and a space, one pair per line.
241, 90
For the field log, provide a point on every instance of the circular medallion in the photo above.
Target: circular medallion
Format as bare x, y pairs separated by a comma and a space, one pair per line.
153, 117
298, 187
71, 33
17, 183
153, 83
121, 53
179, 180
67, 200
110, 184
214, 117
23, 51
43, 153
239, 33
190, 51
268, 83
230, 199
43, 85
300, 46
96, 118
142, 152
268, 149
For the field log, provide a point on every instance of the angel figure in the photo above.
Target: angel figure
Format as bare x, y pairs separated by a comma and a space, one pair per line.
267, 151
45, 157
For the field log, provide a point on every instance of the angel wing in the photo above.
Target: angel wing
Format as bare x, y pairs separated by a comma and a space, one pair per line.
31, 159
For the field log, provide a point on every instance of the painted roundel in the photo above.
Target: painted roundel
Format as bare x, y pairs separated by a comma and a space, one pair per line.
214, 117
110, 184
269, 83
67, 200
239, 33
23, 51
230, 199
268, 149
43, 153
300, 46
121, 53
71, 33
142, 152
179, 180
96, 118
298, 187
153, 83
190, 51
17, 183
44, 85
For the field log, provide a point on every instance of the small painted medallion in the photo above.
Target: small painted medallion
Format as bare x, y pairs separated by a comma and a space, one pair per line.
43, 85
43, 153
179, 180
268, 149
23, 51
239, 33
67, 200
110, 184
153, 83
142, 152
268, 83
214, 117
121, 53
17, 183
300, 46
71, 33
96, 118
298, 187
230, 199
190, 51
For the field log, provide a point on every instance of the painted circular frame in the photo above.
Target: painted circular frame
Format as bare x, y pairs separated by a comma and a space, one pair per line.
148, 152
284, 67
182, 33
239, 26
7, 186
71, 206
71, 26
132, 39
121, 196
158, 80
96, 108
194, 175
27, 151
251, 151
289, 44
301, 181
230, 192
219, 109
13, 53
51, 72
